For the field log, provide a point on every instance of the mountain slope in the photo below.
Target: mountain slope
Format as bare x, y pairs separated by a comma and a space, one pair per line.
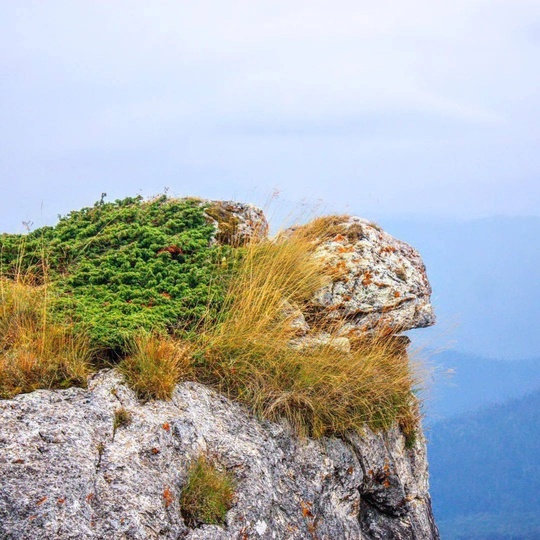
462, 383
485, 472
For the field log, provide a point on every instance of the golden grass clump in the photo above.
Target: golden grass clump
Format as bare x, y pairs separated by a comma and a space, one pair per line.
266, 277
35, 352
321, 390
326, 391
323, 228
155, 364
207, 495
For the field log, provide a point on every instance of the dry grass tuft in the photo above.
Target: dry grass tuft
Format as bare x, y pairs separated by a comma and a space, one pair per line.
324, 227
266, 276
326, 391
207, 495
34, 352
155, 365
320, 390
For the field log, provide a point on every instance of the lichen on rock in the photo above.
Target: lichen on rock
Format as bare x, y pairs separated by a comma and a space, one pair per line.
377, 280
236, 223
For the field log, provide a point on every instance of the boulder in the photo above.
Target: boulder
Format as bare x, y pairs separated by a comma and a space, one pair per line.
377, 280
236, 223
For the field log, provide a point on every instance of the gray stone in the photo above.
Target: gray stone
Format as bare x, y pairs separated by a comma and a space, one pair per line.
295, 319
65, 473
322, 339
236, 223
378, 281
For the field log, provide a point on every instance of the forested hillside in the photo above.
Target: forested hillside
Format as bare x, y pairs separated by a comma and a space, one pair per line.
485, 472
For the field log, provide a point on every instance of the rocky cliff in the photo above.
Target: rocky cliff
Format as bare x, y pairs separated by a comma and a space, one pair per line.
68, 470
65, 472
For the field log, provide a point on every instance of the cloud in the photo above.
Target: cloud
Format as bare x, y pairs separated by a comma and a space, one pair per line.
262, 91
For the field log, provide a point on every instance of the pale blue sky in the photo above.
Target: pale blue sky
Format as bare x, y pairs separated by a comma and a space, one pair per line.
387, 108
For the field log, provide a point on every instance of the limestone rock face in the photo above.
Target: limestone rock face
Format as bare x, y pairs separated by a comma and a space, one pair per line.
65, 473
377, 279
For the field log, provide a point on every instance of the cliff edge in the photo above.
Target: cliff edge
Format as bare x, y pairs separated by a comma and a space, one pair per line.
69, 469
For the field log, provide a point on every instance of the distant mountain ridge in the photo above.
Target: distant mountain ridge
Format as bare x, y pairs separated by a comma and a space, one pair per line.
484, 275
462, 383
485, 472
483, 449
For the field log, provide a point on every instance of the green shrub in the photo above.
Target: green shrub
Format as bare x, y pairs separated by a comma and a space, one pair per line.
124, 266
207, 495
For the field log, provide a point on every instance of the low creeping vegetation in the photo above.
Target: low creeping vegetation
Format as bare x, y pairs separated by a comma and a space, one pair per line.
207, 494
141, 280
123, 266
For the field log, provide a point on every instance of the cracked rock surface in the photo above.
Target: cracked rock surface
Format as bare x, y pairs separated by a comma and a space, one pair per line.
65, 473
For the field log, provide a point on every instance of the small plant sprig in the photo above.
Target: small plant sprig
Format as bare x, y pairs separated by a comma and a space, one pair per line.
207, 494
122, 418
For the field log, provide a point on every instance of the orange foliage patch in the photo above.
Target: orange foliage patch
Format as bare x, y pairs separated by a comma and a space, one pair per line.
167, 497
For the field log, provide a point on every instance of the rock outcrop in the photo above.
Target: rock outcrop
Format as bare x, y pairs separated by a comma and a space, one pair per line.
236, 223
378, 280
65, 472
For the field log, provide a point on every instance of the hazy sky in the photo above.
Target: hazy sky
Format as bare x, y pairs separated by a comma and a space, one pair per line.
385, 108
